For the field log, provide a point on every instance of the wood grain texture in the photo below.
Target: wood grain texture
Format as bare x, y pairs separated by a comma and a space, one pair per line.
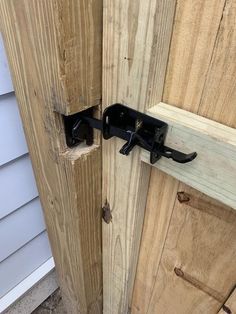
193, 41
79, 51
69, 39
135, 50
213, 171
201, 73
161, 199
218, 95
230, 304
69, 181
196, 271
201, 54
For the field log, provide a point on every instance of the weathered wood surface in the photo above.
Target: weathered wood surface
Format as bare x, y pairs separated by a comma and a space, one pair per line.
213, 171
55, 67
72, 46
194, 37
161, 199
196, 270
200, 78
230, 303
136, 38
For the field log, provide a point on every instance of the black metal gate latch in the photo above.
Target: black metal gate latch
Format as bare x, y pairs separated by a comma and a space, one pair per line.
136, 128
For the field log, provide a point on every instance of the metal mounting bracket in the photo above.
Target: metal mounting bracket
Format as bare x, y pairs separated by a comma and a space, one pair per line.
136, 128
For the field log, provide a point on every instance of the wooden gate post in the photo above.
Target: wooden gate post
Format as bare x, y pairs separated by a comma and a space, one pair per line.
136, 39
54, 50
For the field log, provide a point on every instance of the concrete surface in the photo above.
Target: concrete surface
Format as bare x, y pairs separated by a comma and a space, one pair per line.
53, 305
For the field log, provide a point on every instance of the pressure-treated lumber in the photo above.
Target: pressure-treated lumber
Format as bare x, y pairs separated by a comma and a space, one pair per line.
194, 36
213, 171
201, 63
72, 41
230, 303
54, 53
136, 38
197, 270
218, 96
160, 202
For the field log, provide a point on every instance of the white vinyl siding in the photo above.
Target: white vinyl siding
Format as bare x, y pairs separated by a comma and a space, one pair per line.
12, 142
23, 262
17, 185
5, 79
27, 222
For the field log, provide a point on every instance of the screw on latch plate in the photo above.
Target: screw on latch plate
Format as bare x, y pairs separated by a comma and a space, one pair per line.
106, 213
224, 307
206, 289
136, 128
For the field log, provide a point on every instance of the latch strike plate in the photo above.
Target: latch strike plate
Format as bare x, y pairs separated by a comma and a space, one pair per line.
136, 128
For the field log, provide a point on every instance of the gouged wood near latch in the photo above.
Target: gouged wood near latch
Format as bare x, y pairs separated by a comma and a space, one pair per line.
213, 171
80, 151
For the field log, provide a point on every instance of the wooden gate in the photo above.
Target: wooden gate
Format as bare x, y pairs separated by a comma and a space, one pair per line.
168, 238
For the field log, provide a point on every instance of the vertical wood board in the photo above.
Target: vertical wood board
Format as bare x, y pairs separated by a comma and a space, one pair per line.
136, 38
161, 199
197, 269
200, 64
193, 41
69, 180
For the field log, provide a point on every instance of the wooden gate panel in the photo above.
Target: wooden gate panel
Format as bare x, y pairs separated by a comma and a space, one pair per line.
200, 78
196, 272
